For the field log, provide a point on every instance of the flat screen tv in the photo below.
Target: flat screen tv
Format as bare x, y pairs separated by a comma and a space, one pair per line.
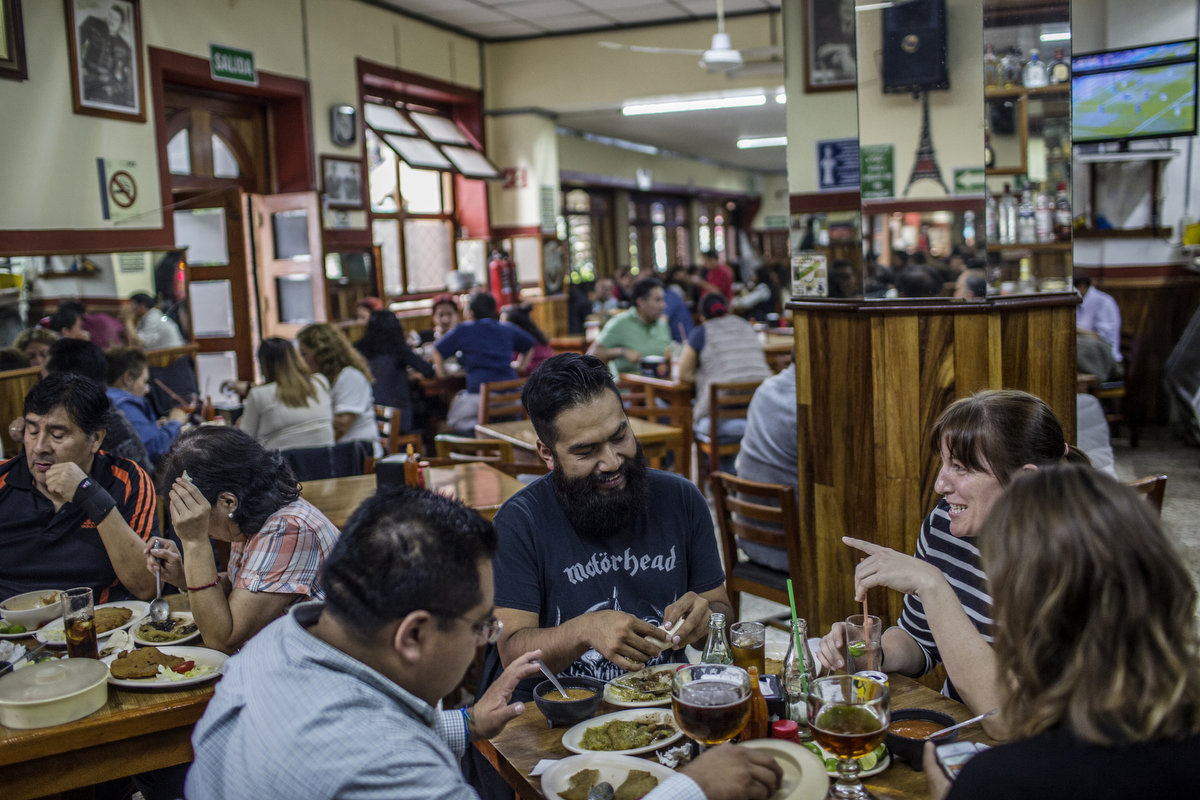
1146, 92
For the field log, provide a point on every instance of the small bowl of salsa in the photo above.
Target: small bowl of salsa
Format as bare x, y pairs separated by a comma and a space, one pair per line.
909, 729
583, 698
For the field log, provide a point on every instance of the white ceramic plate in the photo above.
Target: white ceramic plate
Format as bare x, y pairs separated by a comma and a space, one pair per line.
804, 775
24, 635
183, 615
52, 632
885, 760
613, 769
611, 697
201, 655
573, 736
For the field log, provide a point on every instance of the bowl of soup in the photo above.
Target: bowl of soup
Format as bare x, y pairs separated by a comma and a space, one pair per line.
909, 729
32, 609
583, 698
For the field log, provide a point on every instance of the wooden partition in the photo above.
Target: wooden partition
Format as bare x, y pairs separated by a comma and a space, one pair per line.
871, 378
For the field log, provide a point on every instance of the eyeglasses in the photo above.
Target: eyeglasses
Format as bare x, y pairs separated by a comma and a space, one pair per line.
486, 632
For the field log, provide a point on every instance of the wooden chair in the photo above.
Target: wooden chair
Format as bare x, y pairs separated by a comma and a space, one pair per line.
333, 461
388, 423
1112, 394
726, 401
1153, 488
764, 513
464, 448
501, 401
640, 403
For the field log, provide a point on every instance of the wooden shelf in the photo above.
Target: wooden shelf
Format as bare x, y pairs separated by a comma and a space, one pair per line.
1124, 233
78, 273
1018, 91
1032, 247
1128, 155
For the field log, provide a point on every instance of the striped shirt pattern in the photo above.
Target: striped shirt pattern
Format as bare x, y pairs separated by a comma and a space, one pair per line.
285, 556
958, 560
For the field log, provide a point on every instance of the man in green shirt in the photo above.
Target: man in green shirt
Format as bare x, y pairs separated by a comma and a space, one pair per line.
637, 332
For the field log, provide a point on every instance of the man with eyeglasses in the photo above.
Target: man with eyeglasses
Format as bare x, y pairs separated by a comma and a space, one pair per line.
339, 698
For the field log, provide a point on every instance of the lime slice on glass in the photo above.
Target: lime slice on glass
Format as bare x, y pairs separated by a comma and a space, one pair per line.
858, 649
868, 761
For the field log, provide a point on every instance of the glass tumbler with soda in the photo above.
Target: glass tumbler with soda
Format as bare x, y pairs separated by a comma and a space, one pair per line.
79, 623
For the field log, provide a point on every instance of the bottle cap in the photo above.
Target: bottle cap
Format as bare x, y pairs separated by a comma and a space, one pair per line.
784, 729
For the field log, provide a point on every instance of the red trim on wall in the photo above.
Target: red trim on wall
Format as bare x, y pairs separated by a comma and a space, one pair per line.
812, 202
516, 230
72, 241
350, 238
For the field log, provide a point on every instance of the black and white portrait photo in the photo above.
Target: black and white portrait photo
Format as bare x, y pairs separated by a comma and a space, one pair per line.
105, 38
830, 58
343, 182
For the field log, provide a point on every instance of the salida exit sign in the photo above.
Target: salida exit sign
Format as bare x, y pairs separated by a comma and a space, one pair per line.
232, 65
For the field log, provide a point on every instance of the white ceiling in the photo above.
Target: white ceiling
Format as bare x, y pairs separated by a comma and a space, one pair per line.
707, 134
493, 20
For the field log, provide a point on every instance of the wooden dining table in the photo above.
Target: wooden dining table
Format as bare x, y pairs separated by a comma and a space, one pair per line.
656, 439
527, 740
477, 485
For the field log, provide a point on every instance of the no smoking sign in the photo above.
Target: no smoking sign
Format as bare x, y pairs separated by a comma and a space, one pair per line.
122, 189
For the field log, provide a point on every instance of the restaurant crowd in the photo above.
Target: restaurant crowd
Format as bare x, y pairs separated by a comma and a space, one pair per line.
1043, 587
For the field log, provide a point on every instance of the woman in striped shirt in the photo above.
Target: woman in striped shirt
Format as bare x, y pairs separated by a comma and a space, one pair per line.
985, 441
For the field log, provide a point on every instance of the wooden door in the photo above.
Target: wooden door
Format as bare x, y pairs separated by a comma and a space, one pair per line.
289, 268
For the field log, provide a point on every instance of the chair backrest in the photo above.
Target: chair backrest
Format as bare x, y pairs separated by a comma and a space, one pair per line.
388, 421
500, 401
332, 461
464, 448
741, 512
1153, 488
728, 401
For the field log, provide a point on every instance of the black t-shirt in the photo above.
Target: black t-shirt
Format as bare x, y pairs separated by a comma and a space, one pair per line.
44, 549
1056, 764
542, 565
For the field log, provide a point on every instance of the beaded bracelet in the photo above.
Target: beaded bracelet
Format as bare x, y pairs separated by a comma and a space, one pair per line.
205, 586
467, 721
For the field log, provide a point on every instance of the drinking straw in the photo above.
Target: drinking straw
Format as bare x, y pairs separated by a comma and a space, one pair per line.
795, 635
168, 390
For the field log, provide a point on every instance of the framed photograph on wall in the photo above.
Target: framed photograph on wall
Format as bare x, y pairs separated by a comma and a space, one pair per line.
105, 43
12, 41
342, 182
830, 51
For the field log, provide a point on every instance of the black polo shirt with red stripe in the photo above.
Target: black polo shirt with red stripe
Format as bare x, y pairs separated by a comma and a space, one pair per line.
44, 549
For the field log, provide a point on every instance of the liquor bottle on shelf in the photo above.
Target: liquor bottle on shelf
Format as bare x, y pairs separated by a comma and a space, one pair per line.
716, 649
1010, 68
1025, 281
1008, 216
991, 226
1034, 74
991, 67
1043, 216
1060, 68
1026, 221
1062, 215
989, 154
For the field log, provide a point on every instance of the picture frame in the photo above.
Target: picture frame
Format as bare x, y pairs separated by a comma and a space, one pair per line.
830, 48
341, 182
104, 39
12, 42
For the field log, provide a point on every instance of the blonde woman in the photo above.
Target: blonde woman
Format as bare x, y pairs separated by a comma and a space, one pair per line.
326, 350
292, 409
1097, 642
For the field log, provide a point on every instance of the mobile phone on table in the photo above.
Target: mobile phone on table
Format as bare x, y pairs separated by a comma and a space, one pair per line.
952, 756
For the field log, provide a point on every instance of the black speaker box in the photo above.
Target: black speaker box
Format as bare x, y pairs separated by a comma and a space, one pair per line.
914, 46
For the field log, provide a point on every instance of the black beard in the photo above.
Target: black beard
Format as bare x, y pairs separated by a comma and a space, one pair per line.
596, 515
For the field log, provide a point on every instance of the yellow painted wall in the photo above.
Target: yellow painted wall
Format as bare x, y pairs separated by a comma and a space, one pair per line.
527, 142
591, 158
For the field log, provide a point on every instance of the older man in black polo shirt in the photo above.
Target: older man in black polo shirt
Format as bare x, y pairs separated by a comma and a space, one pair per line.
72, 514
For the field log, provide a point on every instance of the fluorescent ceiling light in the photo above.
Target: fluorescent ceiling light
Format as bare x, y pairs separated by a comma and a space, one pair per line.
1056, 37
762, 141
872, 7
781, 98
702, 104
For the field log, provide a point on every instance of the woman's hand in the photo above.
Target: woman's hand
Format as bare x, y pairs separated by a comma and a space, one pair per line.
162, 555
190, 512
885, 567
830, 653
939, 784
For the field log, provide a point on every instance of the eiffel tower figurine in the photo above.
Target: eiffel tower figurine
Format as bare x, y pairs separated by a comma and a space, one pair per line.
925, 165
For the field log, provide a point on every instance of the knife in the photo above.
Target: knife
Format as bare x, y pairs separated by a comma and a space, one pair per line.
29, 654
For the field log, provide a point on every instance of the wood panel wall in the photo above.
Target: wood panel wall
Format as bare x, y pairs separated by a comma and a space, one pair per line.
871, 379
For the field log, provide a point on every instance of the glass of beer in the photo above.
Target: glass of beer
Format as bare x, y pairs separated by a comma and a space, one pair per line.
864, 643
79, 623
749, 640
848, 716
711, 701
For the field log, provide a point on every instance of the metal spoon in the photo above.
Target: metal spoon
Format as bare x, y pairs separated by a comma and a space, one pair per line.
546, 671
601, 791
159, 610
972, 720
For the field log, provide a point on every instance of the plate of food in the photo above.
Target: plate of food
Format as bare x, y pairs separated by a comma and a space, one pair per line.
178, 628
167, 667
629, 732
16, 631
109, 617
573, 777
804, 776
645, 688
872, 763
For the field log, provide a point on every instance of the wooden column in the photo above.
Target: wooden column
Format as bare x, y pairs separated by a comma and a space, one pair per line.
871, 379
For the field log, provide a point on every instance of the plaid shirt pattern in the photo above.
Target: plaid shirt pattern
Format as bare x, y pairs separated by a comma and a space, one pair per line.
286, 554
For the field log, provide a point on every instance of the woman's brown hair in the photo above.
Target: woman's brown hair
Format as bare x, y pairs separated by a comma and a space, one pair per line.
281, 365
332, 351
1095, 615
1002, 430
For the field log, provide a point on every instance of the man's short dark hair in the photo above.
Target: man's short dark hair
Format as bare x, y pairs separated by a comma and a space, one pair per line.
64, 317
561, 382
1082, 280
642, 287
79, 357
82, 398
142, 299
122, 360
977, 286
483, 306
918, 281
406, 550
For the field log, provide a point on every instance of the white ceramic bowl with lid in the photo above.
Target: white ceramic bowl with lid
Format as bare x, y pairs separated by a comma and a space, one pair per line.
52, 692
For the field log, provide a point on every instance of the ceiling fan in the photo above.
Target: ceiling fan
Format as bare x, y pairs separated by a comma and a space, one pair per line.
720, 57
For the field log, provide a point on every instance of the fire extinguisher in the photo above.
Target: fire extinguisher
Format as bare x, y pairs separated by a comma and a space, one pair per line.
502, 279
